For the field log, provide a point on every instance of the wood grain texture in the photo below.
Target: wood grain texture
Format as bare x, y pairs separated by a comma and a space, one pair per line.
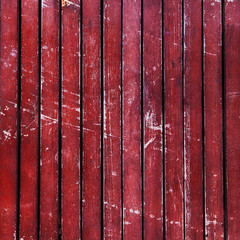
173, 95
91, 120
153, 184
71, 120
193, 154
8, 117
29, 120
49, 205
112, 120
213, 120
132, 119
232, 61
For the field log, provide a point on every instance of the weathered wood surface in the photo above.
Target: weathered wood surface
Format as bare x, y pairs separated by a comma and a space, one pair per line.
173, 95
232, 88
193, 135
213, 121
119, 119
9, 121
71, 121
91, 88
112, 120
29, 120
49, 125
153, 120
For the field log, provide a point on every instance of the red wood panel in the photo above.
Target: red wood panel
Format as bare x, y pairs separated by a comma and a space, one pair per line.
213, 120
8, 117
29, 120
49, 212
173, 119
153, 185
71, 120
91, 121
232, 59
112, 120
132, 119
193, 156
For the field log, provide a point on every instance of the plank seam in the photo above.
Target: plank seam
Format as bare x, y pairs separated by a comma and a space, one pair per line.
203, 119
224, 122
19, 95
60, 128
39, 114
184, 165
163, 128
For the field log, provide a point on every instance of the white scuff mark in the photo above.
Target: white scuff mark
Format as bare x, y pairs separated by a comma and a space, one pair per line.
114, 173
137, 212
111, 205
47, 118
7, 134
68, 3
150, 141
211, 54
127, 223
151, 216
14, 104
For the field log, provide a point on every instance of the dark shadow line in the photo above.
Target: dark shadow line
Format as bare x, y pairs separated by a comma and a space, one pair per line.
60, 127
39, 115
19, 102
163, 126
224, 136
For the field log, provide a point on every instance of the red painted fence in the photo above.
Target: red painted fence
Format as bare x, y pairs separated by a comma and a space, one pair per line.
120, 119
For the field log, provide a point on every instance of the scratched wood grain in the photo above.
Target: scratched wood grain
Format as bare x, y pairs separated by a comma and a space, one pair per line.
232, 61
112, 120
49, 205
173, 95
8, 117
193, 154
29, 120
91, 205
71, 120
153, 184
132, 205
213, 120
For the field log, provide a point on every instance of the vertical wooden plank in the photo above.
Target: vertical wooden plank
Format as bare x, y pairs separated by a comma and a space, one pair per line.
29, 120
8, 117
131, 51
153, 185
173, 119
112, 119
193, 120
91, 120
49, 217
71, 119
213, 120
232, 59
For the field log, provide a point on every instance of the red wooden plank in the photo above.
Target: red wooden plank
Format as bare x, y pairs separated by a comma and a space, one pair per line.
112, 120
173, 119
91, 209
29, 120
71, 119
153, 185
132, 119
232, 56
8, 117
193, 120
49, 218
213, 120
